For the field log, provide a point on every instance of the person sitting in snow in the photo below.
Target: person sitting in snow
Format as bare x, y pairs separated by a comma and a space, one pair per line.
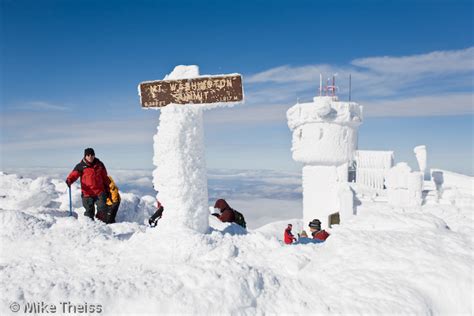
303, 234
157, 215
113, 203
94, 183
316, 232
228, 214
288, 235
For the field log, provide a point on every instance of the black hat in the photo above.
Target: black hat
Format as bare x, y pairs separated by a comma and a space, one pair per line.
89, 151
315, 223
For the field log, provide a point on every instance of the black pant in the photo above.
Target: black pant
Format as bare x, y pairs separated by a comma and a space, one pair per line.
89, 205
112, 212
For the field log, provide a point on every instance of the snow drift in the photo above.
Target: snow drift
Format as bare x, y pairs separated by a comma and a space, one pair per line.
384, 261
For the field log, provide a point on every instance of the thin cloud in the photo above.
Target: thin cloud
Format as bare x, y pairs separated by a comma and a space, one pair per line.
416, 85
248, 115
54, 131
42, 106
438, 62
451, 104
288, 73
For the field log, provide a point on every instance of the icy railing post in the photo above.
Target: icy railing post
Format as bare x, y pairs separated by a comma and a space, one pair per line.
404, 187
371, 168
421, 158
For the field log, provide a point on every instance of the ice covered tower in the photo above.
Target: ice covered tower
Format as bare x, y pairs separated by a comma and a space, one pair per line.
324, 140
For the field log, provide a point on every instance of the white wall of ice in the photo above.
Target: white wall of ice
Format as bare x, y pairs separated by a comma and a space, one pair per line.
372, 167
404, 188
451, 181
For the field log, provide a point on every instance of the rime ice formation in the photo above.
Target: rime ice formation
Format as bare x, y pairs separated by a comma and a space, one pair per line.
180, 176
404, 188
179, 156
372, 166
420, 153
183, 72
325, 139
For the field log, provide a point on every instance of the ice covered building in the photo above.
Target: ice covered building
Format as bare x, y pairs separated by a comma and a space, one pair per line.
324, 140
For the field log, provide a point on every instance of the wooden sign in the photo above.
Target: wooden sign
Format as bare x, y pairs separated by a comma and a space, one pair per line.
212, 89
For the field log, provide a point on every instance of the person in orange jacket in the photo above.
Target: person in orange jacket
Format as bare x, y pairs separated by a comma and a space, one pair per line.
288, 235
94, 182
113, 202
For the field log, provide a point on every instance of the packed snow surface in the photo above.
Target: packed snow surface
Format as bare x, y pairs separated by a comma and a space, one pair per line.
384, 261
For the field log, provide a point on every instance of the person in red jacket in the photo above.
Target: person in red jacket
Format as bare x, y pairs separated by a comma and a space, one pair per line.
316, 232
226, 212
94, 183
288, 235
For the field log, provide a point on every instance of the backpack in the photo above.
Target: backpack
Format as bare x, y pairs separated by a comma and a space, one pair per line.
239, 219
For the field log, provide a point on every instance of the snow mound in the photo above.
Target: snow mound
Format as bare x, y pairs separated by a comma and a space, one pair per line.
386, 218
19, 193
19, 225
385, 261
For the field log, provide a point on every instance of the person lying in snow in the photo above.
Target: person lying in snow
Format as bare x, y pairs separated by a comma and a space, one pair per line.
316, 232
288, 236
228, 214
94, 183
113, 203
153, 221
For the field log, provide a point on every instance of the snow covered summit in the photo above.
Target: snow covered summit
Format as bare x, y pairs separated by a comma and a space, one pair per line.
385, 261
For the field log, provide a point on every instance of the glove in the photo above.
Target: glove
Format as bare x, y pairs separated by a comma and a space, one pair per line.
153, 222
68, 183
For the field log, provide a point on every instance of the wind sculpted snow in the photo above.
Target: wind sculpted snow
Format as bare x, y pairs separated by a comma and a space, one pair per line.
384, 261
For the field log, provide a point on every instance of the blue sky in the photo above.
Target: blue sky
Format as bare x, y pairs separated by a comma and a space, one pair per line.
70, 70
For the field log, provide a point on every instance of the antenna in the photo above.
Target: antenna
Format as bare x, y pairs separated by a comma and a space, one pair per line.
331, 88
320, 84
350, 87
333, 85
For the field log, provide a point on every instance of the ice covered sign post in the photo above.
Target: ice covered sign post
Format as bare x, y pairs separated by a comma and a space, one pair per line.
180, 176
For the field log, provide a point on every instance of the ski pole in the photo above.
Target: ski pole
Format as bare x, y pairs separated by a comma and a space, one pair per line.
70, 202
